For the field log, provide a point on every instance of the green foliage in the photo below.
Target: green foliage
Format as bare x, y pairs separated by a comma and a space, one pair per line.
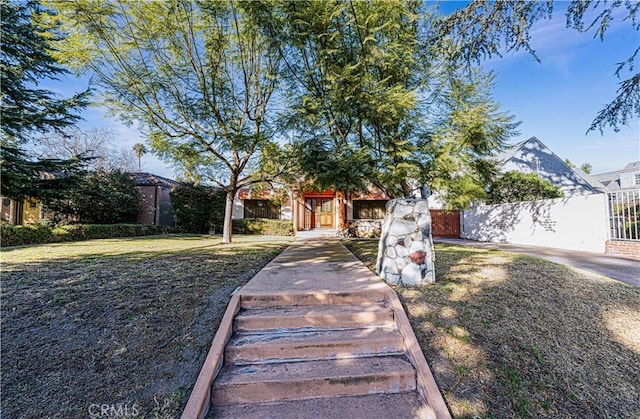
198, 208
198, 77
467, 127
516, 186
26, 110
40, 233
263, 226
101, 198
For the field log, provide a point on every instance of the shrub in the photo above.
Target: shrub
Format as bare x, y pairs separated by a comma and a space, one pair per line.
198, 208
38, 234
263, 226
24, 234
515, 186
101, 198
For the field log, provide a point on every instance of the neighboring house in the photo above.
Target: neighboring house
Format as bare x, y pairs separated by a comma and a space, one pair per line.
155, 198
27, 211
532, 156
627, 178
155, 203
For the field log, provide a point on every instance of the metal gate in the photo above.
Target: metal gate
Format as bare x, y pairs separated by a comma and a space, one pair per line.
624, 214
445, 223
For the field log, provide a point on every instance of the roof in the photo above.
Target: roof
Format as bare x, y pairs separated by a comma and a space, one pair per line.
611, 180
149, 179
556, 166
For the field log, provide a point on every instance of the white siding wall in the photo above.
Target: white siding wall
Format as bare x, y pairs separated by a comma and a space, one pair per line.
576, 223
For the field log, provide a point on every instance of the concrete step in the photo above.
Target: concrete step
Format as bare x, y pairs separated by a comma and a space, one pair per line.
301, 317
301, 298
312, 379
371, 406
245, 349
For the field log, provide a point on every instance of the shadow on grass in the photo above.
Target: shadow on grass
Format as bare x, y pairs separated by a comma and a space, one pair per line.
509, 335
115, 326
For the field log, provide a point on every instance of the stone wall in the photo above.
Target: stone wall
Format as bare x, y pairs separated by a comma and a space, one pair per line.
405, 251
364, 229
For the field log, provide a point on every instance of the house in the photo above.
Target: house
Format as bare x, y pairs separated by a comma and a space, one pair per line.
311, 210
308, 209
532, 156
27, 211
155, 198
627, 178
155, 203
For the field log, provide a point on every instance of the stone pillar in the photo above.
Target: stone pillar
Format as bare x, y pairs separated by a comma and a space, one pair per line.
405, 250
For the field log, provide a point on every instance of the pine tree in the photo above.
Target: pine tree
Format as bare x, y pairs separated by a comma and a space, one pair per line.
28, 110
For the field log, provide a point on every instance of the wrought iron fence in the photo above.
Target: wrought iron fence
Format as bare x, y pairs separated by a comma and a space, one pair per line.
624, 215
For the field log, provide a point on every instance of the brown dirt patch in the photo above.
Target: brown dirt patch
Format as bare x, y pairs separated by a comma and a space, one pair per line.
123, 324
508, 335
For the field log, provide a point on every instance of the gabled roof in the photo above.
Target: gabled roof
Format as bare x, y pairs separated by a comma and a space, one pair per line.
556, 167
149, 179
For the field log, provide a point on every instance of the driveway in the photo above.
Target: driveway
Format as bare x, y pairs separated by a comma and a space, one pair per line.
614, 267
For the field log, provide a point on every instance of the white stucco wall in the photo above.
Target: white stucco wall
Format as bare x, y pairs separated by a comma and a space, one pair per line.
286, 210
238, 209
576, 223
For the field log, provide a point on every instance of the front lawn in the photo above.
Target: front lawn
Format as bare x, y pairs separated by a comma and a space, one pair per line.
118, 323
508, 335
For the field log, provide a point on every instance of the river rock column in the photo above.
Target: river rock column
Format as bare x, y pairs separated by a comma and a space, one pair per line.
405, 250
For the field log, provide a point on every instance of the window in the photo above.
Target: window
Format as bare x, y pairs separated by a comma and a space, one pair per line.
261, 208
6, 202
369, 210
636, 179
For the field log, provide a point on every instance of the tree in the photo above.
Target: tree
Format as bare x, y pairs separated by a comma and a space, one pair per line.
101, 198
95, 145
140, 150
27, 110
484, 29
586, 167
198, 77
516, 186
368, 100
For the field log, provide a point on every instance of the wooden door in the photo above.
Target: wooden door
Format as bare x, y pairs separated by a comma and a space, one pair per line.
324, 213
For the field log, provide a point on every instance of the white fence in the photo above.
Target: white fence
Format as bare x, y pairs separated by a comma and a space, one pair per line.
576, 223
624, 215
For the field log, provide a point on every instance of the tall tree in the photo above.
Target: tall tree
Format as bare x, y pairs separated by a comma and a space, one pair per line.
140, 150
198, 76
26, 60
368, 98
483, 29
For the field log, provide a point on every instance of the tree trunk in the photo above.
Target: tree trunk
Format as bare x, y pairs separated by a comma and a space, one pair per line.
228, 210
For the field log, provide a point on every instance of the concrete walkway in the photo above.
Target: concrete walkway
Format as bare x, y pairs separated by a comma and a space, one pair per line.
300, 302
614, 267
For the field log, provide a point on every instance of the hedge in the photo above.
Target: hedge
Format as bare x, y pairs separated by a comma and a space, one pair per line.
38, 233
263, 226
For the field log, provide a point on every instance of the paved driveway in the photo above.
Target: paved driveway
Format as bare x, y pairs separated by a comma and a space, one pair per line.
621, 269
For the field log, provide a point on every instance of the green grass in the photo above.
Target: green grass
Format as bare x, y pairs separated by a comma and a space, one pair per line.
116, 321
508, 335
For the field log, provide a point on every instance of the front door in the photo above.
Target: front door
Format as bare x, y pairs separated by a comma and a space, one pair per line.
321, 214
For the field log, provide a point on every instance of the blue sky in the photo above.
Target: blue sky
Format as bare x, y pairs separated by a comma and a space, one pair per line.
555, 100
